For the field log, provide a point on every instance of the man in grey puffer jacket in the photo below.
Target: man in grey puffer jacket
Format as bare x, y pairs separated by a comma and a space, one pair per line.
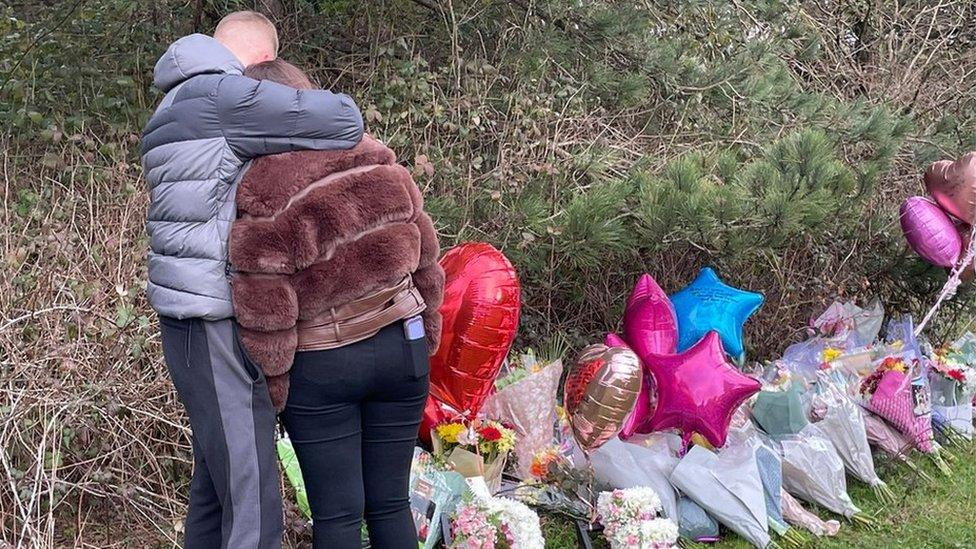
211, 122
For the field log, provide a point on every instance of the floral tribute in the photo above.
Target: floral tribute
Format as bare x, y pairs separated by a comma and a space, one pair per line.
488, 438
631, 519
946, 364
486, 522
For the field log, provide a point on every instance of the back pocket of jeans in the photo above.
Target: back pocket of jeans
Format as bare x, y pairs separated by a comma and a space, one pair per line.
418, 361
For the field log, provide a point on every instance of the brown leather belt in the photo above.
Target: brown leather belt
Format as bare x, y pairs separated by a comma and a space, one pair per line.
360, 319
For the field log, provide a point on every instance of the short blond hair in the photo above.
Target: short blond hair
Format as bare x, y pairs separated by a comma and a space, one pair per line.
238, 21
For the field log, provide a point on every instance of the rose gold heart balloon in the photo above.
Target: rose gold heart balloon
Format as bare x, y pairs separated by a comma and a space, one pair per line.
953, 186
600, 391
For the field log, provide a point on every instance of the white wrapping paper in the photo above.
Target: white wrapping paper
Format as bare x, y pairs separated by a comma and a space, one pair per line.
727, 485
618, 465
843, 425
813, 471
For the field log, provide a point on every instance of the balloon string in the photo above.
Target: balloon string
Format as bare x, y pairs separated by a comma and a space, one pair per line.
951, 285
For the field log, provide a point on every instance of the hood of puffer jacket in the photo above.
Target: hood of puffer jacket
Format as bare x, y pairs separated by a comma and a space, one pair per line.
193, 55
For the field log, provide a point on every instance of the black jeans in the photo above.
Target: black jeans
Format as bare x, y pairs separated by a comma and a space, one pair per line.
352, 415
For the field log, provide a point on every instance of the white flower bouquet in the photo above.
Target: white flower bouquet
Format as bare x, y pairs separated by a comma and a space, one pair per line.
631, 519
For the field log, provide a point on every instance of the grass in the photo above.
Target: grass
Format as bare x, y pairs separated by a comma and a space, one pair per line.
937, 514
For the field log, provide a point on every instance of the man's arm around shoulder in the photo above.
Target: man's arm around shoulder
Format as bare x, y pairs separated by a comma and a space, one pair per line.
263, 117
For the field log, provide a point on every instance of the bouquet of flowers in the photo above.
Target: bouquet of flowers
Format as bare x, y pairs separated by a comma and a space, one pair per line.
814, 472
558, 487
526, 398
795, 514
779, 409
474, 449
433, 492
850, 323
620, 464
953, 385
695, 523
842, 423
474, 527
903, 402
631, 519
289, 462
728, 486
771, 473
486, 522
887, 439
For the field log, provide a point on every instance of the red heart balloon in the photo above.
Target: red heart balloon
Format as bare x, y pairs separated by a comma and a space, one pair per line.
481, 315
435, 413
953, 186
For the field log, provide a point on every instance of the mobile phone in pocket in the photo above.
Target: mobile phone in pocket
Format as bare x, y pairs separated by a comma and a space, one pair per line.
413, 328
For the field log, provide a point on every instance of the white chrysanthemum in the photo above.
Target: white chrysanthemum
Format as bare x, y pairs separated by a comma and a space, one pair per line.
631, 519
522, 521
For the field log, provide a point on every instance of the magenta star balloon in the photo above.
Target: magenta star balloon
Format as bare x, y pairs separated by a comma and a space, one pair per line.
650, 326
698, 390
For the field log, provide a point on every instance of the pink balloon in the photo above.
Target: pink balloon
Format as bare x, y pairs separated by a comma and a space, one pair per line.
930, 232
698, 390
650, 327
953, 186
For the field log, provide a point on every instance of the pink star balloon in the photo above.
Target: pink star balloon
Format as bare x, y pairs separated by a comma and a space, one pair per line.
650, 327
698, 390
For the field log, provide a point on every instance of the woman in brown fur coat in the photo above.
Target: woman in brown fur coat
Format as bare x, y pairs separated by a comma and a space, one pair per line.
336, 288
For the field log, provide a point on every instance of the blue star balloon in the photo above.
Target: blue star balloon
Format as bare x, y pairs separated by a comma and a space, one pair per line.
709, 304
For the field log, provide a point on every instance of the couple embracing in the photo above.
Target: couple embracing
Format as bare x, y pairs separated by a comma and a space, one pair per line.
294, 271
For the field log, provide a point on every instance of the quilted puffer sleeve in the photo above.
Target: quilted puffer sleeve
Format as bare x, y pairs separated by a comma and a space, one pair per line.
263, 117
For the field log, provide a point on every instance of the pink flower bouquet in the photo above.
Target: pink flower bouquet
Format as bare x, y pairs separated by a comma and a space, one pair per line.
905, 404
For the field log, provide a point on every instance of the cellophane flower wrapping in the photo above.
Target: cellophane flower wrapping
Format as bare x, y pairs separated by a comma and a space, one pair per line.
695, 523
771, 474
850, 323
529, 405
293, 472
631, 519
905, 404
433, 493
795, 514
885, 437
843, 425
780, 412
486, 522
952, 383
621, 465
728, 486
814, 472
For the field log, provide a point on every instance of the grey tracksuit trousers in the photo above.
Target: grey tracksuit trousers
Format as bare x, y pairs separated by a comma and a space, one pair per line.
235, 499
